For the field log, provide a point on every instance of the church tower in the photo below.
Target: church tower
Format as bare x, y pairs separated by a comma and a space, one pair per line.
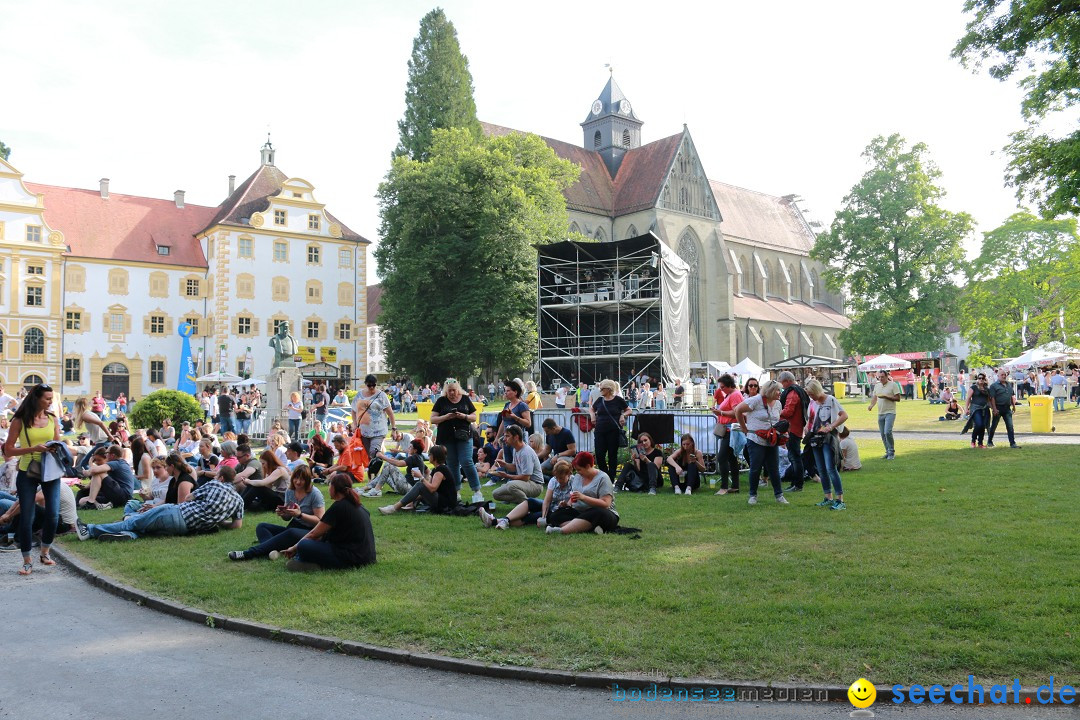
611, 127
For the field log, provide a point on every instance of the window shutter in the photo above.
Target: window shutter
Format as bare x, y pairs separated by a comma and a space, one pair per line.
146, 325
127, 323
254, 326
169, 328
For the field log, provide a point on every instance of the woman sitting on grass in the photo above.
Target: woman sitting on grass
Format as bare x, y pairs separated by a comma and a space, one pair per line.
592, 498
391, 476
952, 411
302, 509
269, 490
437, 492
343, 537
534, 511
154, 494
321, 455
644, 468
685, 466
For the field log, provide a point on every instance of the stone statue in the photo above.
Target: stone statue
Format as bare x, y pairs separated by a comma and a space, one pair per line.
285, 347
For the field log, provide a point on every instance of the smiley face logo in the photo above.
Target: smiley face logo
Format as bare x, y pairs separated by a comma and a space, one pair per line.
861, 693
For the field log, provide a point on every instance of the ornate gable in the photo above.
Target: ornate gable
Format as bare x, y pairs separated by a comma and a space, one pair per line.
687, 188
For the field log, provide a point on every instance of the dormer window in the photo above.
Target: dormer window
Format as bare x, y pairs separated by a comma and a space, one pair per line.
164, 249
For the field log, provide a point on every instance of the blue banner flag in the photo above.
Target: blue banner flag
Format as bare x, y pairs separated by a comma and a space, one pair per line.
186, 381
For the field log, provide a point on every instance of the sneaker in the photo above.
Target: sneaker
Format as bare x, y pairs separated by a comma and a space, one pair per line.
827, 502
542, 522
688, 492
990, 444
839, 505
891, 457
600, 531
677, 490
237, 555
752, 500
503, 524
973, 445
373, 492
82, 530
274, 554
793, 488
489, 483
388, 510
115, 537
551, 529
487, 518
1014, 446
762, 483
721, 491
478, 497
652, 491
782, 500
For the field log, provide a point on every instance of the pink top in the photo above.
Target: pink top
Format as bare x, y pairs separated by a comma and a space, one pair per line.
729, 403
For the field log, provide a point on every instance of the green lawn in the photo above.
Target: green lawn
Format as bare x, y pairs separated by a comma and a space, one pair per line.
921, 415
948, 561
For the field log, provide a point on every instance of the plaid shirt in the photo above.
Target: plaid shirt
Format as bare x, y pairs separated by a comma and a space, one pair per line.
212, 504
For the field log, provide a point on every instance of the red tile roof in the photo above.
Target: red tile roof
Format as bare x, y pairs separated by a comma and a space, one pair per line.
374, 303
760, 219
125, 226
642, 175
797, 313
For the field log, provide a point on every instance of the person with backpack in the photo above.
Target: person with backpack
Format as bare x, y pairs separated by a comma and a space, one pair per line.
794, 405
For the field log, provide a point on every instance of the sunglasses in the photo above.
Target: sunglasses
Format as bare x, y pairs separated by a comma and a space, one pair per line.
751, 386
45, 388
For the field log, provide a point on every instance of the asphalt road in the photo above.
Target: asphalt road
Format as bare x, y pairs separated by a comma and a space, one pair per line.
73, 651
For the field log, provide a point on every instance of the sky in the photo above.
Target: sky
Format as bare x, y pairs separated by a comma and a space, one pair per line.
781, 97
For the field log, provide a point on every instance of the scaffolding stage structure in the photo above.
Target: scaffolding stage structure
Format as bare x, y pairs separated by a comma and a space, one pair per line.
612, 310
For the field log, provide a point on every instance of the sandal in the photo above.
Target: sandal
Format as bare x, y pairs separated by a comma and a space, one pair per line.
46, 560
27, 568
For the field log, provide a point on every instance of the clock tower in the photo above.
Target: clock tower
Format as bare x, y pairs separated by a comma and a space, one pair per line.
611, 128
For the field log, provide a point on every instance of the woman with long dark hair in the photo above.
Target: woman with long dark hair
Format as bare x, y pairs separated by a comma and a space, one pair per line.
303, 509
140, 461
32, 426
686, 466
343, 537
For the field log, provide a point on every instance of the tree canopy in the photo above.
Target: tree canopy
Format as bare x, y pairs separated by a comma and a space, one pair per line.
1038, 40
457, 260
895, 251
5, 151
439, 93
1027, 266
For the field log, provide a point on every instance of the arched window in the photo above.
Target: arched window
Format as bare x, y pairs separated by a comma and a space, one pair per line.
684, 199
115, 368
31, 380
34, 342
626, 138
600, 235
815, 291
574, 228
631, 232
688, 252
596, 140
795, 286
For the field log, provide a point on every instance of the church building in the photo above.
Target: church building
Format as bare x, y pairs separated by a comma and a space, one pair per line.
753, 290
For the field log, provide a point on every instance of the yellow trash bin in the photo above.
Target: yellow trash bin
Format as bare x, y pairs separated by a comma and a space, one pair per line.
423, 410
479, 409
839, 390
1042, 413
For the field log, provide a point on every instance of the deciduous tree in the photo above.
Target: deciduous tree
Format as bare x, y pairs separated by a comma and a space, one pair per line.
895, 252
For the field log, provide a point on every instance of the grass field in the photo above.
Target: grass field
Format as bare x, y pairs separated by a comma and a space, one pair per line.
948, 561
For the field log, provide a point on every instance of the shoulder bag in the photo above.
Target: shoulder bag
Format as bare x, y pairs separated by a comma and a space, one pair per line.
623, 440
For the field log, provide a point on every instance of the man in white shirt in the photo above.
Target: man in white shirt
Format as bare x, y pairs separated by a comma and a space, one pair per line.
7, 403
560, 397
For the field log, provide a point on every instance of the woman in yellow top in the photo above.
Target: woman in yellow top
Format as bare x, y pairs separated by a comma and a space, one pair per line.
32, 426
532, 397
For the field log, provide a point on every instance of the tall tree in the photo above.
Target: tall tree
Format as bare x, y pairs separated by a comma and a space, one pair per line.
456, 258
1039, 40
1028, 267
440, 89
5, 151
894, 250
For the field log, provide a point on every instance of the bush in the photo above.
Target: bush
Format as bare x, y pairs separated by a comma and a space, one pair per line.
350, 394
161, 404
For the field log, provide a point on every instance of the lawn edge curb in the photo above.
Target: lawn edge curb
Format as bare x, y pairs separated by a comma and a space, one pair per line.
765, 692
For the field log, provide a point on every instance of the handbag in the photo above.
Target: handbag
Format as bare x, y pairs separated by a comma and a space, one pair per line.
34, 469
720, 430
623, 440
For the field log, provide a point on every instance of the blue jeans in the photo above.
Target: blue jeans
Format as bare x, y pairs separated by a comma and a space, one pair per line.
228, 424
768, 457
885, 426
1059, 404
826, 467
794, 454
318, 552
274, 537
162, 520
458, 458
294, 429
243, 425
27, 490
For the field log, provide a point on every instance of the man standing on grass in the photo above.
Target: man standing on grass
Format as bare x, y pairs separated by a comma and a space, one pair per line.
1002, 404
794, 405
885, 394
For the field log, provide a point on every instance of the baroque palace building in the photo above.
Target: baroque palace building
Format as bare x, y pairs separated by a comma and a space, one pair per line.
94, 284
753, 291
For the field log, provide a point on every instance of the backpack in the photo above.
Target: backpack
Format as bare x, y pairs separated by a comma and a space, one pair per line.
803, 398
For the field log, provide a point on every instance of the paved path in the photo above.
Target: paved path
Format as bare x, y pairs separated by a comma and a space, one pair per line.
73, 651
965, 440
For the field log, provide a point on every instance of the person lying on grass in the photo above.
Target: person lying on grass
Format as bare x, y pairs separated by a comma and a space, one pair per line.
343, 538
389, 475
592, 498
215, 504
437, 491
533, 511
303, 509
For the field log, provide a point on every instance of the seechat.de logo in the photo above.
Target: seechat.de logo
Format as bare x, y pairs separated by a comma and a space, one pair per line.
862, 695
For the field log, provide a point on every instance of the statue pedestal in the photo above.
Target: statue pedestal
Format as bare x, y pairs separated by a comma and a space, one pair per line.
280, 383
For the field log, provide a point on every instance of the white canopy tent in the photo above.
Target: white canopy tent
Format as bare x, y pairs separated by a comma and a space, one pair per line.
249, 382
1036, 357
884, 362
220, 377
748, 368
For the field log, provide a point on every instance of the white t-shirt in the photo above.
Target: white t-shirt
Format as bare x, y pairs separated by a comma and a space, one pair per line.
94, 432
760, 417
886, 406
7, 404
68, 513
560, 396
370, 413
849, 451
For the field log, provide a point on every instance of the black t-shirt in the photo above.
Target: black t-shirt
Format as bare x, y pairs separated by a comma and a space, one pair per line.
445, 433
350, 533
448, 494
560, 441
225, 405
172, 494
414, 462
679, 392
608, 412
323, 456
